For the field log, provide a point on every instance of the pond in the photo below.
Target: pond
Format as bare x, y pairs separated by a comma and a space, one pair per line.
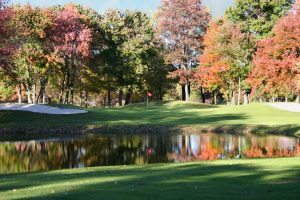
104, 150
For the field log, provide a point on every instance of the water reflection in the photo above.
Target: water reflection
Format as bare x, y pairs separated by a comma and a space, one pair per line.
102, 150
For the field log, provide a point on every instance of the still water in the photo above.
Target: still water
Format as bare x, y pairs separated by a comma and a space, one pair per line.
101, 150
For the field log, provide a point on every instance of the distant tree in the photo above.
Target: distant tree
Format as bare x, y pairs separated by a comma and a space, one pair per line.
182, 25
258, 16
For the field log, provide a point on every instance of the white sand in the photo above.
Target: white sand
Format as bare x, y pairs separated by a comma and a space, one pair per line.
37, 108
292, 107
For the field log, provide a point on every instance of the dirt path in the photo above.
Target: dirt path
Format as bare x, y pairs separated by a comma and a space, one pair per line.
292, 107
37, 108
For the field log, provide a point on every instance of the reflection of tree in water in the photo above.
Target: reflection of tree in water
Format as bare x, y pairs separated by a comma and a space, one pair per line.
140, 149
212, 147
90, 151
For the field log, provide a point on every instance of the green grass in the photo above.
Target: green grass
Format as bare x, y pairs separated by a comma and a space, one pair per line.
165, 113
230, 179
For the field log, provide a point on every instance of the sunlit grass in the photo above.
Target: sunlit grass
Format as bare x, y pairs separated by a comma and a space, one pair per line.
163, 113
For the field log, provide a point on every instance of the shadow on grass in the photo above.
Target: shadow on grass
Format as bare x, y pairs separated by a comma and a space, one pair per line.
208, 180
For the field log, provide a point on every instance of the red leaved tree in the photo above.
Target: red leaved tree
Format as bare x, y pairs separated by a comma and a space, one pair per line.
71, 39
5, 48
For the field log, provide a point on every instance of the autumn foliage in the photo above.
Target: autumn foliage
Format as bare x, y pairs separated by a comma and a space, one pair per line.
182, 24
276, 63
66, 54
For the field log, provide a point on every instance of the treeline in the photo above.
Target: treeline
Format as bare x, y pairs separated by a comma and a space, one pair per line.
71, 54
253, 51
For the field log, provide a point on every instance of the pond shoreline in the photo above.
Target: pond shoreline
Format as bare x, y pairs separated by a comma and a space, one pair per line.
290, 130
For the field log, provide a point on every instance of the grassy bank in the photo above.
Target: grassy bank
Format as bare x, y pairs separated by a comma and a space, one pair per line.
233, 179
167, 114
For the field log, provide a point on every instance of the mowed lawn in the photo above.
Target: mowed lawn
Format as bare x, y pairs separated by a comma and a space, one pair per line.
231, 179
167, 113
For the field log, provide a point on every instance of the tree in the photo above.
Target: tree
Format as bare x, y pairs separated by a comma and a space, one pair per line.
70, 39
182, 24
258, 16
6, 48
31, 56
127, 52
276, 63
225, 63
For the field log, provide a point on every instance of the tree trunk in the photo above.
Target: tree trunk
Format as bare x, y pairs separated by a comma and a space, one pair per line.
19, 93
34, 94
67, 83
202, 96
298, 99
120, 97
239, 94
72, 95
80, 98
233, 99
108, 98
29, 96
215, 100
86, 99
187, 95
246, 100
62, 89
286, 99
42, 92
183, 93
214, 97
127, 98
44, 97
160, 90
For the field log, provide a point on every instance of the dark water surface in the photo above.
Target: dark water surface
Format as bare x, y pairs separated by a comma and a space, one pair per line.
102, 150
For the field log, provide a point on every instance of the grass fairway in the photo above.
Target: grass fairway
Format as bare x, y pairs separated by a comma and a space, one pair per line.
230, 179
166, 113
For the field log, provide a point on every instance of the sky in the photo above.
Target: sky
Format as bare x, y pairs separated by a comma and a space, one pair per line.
217, 7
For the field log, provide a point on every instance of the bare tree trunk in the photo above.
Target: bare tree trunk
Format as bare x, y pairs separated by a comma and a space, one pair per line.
19, 93
187, 95
239, 94
286, 99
